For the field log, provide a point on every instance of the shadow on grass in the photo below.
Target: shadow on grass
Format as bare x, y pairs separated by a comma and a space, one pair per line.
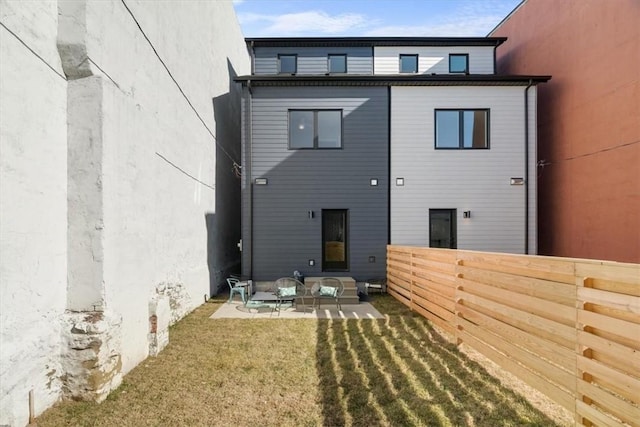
401, 372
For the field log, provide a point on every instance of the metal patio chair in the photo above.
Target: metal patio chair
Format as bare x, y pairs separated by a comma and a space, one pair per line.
327, 288
238, 287
288, 289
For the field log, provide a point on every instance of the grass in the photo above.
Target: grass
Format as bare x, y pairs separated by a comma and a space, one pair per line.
396, 371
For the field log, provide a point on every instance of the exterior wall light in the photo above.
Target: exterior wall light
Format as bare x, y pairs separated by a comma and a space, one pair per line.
466, 214
261, 181
399, 182
373, 182
311, 214
517, 181
312, 262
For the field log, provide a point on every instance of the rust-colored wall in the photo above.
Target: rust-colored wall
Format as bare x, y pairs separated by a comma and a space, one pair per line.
588, 118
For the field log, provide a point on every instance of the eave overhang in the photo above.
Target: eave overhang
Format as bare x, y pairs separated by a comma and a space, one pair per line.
372, 41
392, 80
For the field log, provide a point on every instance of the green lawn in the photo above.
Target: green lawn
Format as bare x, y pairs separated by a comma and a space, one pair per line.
281, 372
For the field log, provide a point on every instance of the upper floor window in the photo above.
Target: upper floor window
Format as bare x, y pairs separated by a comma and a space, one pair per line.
287, 64
462, 129
408, 63
315, 129
337, 63
459, 63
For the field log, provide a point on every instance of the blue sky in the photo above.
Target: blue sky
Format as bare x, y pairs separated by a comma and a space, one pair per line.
335, 18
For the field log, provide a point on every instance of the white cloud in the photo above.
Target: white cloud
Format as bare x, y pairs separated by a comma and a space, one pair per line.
313, 21
237, 2
471, 19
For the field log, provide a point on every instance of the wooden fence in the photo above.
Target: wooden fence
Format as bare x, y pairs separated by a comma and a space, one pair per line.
568, 327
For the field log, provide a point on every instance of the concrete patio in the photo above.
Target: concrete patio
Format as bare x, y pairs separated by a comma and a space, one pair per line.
237, 310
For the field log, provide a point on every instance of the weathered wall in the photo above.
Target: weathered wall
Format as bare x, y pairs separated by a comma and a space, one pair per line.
589, 121
145, 143
33, 206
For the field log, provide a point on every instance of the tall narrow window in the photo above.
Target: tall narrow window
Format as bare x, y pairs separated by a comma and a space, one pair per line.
337, 63
458, 63
462, 129
442, 228
287, 64
335, 247
315, 129
408, 63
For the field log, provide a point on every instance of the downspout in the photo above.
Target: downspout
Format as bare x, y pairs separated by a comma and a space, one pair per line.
249, 169
526, 167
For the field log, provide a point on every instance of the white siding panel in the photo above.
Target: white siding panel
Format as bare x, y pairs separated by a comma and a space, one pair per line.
432, 59
475, 180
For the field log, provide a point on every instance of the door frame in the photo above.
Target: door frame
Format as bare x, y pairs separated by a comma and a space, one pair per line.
336, 265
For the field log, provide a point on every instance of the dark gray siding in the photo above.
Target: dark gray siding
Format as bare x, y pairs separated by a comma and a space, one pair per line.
313, 60
284, 237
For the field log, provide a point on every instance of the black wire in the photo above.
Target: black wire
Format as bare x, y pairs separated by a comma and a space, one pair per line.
178, 85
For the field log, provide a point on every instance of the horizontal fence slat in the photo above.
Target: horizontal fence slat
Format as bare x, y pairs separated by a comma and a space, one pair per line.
611, 353
447, 326
548, 310
613, 404
627, 274
555, 393
434, 308
447, 304
446, 291
546, 268
543, 368
555, 353
595, 416
627, 331
624, 385
549, 329
561, 293
610, 299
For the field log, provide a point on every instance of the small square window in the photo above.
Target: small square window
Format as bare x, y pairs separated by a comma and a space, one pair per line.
287, 64
459, 63
408, 63
337, 63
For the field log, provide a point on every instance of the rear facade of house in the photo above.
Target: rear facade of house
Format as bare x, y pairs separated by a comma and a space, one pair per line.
350, 144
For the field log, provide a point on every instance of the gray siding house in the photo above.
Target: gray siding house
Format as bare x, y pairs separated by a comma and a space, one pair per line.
349, 144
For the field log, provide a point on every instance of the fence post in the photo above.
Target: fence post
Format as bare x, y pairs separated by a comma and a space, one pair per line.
581, 282
411, 279
456, 297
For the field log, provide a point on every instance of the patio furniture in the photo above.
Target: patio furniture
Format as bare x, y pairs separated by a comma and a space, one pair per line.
288, 289
238, 287
327, 288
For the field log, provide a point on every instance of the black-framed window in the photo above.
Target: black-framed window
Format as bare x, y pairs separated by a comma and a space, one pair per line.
287, 64
408, 63
442, 228
458, 63
315, 129
462, 129
337, 63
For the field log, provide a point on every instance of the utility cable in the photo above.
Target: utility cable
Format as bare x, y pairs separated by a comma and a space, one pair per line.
33, 51
235, 164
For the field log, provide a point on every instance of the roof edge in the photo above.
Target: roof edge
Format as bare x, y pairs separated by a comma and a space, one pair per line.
372, 41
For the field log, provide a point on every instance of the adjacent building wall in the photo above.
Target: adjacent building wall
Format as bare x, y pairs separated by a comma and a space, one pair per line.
589, 121
299, 181
137, 149
466, 180
33, 207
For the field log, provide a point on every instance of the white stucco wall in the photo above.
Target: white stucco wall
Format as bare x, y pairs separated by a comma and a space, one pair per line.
33, 207
145, 209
